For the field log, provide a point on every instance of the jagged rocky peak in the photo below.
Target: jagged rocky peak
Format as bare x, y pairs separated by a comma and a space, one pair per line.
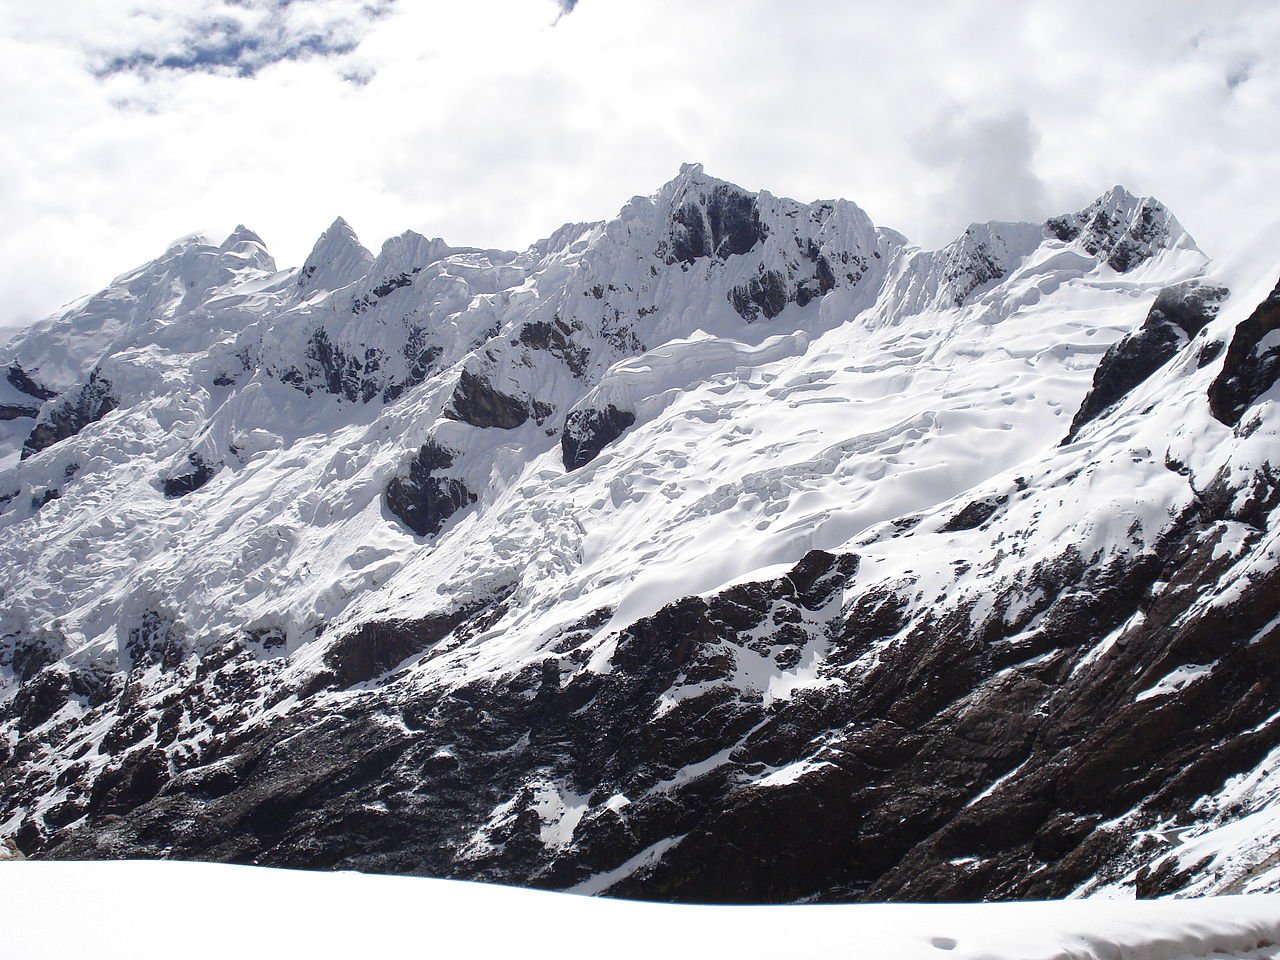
711, 218
774, 250
1121, 229
337, 259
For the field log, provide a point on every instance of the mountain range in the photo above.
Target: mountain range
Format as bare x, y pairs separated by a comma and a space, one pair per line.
734, 549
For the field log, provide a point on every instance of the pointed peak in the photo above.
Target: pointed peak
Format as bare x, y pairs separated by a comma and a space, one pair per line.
241, 234
337, 258
1117, 194
337, 235
339, 228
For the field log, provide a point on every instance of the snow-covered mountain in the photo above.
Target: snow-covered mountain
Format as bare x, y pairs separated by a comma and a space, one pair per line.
731, 549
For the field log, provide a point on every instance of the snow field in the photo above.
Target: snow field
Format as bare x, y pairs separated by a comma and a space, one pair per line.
134, 910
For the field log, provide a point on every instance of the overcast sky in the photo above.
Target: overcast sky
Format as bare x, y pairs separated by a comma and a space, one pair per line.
128, 123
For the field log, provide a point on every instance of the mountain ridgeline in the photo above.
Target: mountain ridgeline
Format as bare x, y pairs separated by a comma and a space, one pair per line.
734, 549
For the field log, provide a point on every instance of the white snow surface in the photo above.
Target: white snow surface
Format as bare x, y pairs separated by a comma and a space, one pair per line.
54, 911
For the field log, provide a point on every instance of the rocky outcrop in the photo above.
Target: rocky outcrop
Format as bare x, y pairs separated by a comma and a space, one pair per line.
587, 432
423, 499
556, 338
23, 382
17, 411
477, 402
364, 374
974, 514
722, 222
1178, 314
766, 293
156, 639
374, 648
80, 407
201, 472
1252, 364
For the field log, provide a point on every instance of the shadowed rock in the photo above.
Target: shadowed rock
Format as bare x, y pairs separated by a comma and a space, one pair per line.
973, 514
374, 648
88, 404
1178, 314
424, 500
1120, 229
476, 402
200, 474
724, 222
766, 293
23, 382
11, 411
587, 432
1252, 364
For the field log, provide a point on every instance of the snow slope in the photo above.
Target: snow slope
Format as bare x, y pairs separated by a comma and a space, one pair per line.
285, 913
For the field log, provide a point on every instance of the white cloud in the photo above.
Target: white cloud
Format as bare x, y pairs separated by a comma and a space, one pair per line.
491, 122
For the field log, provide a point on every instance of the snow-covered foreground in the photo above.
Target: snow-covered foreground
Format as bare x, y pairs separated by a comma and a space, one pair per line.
139, 910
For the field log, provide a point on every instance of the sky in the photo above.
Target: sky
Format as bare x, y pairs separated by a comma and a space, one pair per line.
131, 123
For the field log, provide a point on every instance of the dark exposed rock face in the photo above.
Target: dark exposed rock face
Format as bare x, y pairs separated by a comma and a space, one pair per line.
11, 411
1252, 364
475, 401
156, 639
343, 375
23, 382
424, 500
555, 339
26, 654
971, 262
587, 432
973, 514
200, 474
766, 293
803, 281
361, 376
724, 222
1178, 314
374, 648
76, 410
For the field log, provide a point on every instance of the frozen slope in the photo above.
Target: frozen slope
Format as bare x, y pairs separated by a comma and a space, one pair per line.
280, 912
725, 550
